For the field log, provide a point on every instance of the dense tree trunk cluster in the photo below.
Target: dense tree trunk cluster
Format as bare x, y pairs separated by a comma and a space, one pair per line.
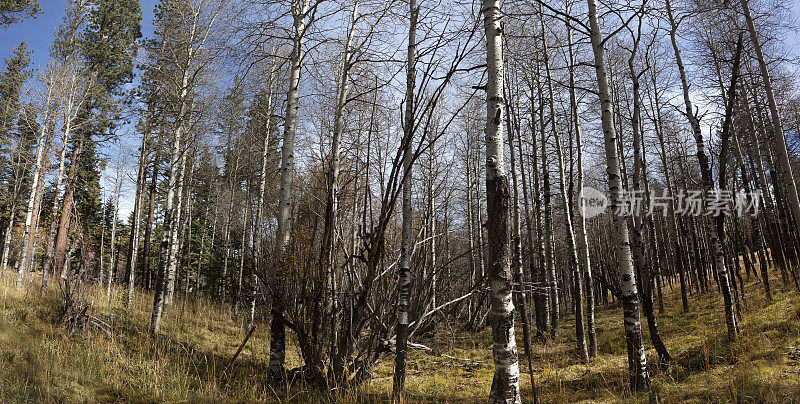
353, 175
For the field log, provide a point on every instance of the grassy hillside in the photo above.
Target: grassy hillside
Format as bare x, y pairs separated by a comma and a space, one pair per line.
40, 362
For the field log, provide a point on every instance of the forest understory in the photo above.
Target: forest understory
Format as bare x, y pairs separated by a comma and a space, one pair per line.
41, 362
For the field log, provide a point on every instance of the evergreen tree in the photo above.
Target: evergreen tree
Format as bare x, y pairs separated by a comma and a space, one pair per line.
14, 11
16, 142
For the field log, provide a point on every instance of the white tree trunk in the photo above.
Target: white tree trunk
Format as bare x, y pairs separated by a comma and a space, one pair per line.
637, 363
505, 384
778, 139
277, 354
117, 188
406, 241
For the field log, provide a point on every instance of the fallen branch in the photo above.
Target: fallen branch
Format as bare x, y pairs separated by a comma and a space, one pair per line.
236, 355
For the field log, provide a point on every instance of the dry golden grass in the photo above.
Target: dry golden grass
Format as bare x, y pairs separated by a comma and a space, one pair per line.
39, 362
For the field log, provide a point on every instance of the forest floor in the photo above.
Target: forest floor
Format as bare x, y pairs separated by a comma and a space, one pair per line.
40, 362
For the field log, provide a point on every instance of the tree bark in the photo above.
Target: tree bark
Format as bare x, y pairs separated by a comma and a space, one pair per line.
582, 241
708, 184
277, 348
505, 384
778, 139
637, 363
407, 241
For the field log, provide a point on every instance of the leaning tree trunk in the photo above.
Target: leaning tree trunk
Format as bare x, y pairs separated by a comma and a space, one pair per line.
62, 235
505, 384
708, 184
637, 363
779, 141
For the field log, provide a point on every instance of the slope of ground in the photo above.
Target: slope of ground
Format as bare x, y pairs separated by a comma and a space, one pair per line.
41, 362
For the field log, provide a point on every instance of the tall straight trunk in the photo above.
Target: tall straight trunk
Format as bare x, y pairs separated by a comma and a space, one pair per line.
723, 155
708, 184
148, 230
171, 213
528, 218
470, 226
7, 237
505, 384
242, 248
566, 200
277, 345
512, 126
643, 264
431, 225
175, 236
37, 187
778, 139
541, 295
637, 362
761, 154
223, 284
61, 239
117, 189
580, 333
759, 231
552, 277
138, 202
51, 232
258, 238
327, 252
653, 262
406, 241
674, 227
582, 240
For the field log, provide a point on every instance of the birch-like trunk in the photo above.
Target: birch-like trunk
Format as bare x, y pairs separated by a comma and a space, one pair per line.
520, 300
258, 237
277, 346
708, 184
570, 230
7, 237
37, 186
580, 226
637, 363
778, 139
548, 238
148, 230
136, 226
117, 189
170, 218
505, 384
406, 241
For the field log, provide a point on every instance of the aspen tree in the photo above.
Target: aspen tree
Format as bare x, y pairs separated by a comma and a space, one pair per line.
637, 363
505, 384
277, 345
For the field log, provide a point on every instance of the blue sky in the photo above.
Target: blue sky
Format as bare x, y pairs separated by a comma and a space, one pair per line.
39, 32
